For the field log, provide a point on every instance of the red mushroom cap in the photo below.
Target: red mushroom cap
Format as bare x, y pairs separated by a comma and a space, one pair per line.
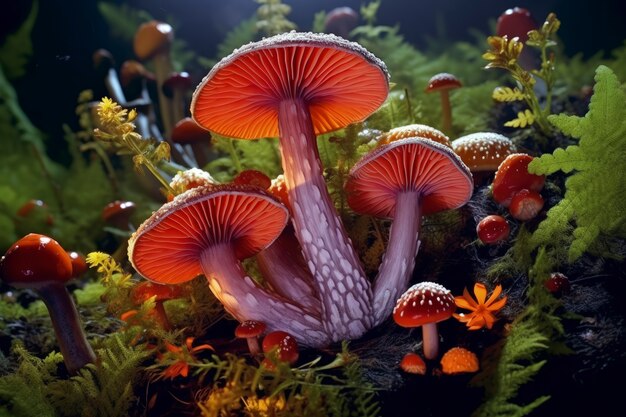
151, 38
188, 131
166, 248
36, 208
425, 302
459, 360
515, 22
285, 344
442, 82
341, 20
118, 211
492, 229
146, 290
250, 328
177, 80
557, 283
79, 264
340, 81
253, 177
413, 363
525, 205
408, 164
132, 70
483, 151
512, 176
414, 130
35, 261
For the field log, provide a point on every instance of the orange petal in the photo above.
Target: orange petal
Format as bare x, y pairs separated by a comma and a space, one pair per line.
476, 322
462, 302
489, 320
463, 318
172, 348
469, 299
496, 292
480, 291
498, 304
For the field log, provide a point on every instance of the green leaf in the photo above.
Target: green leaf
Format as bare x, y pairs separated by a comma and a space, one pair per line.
17, 49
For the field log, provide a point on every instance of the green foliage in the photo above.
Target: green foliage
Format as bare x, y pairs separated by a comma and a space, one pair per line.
237, 155
272, 17
243, 33
593, 196
123, 20
17, 48
469, 107
319, 22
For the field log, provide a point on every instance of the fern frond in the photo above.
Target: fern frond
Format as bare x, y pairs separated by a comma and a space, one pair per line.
523, 119
507, 94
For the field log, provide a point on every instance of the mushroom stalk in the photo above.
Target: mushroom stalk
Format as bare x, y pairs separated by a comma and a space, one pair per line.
283, 268
399, 260
74, 347
430, 340
344, 292
446, 112
162, 70
246, 300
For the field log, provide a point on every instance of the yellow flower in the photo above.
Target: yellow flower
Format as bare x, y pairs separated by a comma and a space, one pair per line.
482, 312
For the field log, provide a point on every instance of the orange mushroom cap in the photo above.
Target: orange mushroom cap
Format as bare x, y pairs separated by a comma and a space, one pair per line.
413, 363
413, 130
483, 151
442, 82
151, 38
146, 290
341, 82
166, 248
459, 360
408, 164
187, 131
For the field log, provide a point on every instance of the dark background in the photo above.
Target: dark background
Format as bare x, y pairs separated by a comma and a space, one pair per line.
68, 31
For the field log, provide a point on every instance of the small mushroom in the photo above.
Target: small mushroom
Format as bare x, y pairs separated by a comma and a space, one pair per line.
516, 23
425, 304
284, 346
414, 130
525, 205
186, 132
253, 177
512, 176
459, 360
118, 214
251, 330
443, 83
483, 152
161, 293
412, 363
340, 21
39, 263
493, 229
79, 264
34, 215
176, 87
557, 283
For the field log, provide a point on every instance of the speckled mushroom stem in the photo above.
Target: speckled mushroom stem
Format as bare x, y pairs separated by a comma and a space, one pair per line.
246, 300
446, 112
430, 340
344, 292
284, 269
399, 260
74, 347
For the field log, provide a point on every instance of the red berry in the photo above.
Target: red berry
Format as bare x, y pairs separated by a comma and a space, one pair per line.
492, 229
525, 205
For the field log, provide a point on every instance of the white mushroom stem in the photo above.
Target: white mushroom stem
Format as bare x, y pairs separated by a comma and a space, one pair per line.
397, 267
74, 347
283, 268
246, 300
344, 292
430, 340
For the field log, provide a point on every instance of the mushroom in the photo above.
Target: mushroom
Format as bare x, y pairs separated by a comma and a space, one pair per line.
118, 213
79, 264
425, 304
296, 86
143, 291
483, 152
186, 132
208, 230
253, 177
443, 83
512, 176
34, 215
39, 263
525, 205
175, 88
557, 283
412, 363
251, 330
340, 21
413, 130
516, 23
492, 229
459, 360
283, 345
404, 180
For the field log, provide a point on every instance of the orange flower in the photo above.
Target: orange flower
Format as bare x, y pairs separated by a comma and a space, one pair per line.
482, 312
182, 356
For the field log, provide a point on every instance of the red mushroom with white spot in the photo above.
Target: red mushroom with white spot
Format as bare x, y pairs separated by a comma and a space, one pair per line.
425, 304
414, 130
283, 345
296, 86
404, 180
209, 230
251, 330
442, 83
39, 263
525, 205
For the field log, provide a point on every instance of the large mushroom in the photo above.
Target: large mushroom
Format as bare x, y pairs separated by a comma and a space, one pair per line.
404, 180
295, 86
39, 263
208, 230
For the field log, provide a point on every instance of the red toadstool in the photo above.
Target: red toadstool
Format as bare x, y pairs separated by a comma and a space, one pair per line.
340, 21
483, 152
283, 345
253, 177
39, 263
412, 363
118, 213
296, 86
443, 83
251, 330
187, 132
557, 283
425, 304
512, 176
404, 180
414, 130
525, 205
79, 264
493, 229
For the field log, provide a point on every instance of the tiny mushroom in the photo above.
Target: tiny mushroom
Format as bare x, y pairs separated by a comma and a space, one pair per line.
515, 23
340, 21
187, 132
525, 205
492, 229
412, 363
512, 176
459, 360
483, 152
557, 283
413, 130
251, 330
425, 304
443, 83
253, 177
34, 214
146, 290
283, 345
327, 84
39, 263
118, 213
176, 87
420, 177
209, 230
79, 264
